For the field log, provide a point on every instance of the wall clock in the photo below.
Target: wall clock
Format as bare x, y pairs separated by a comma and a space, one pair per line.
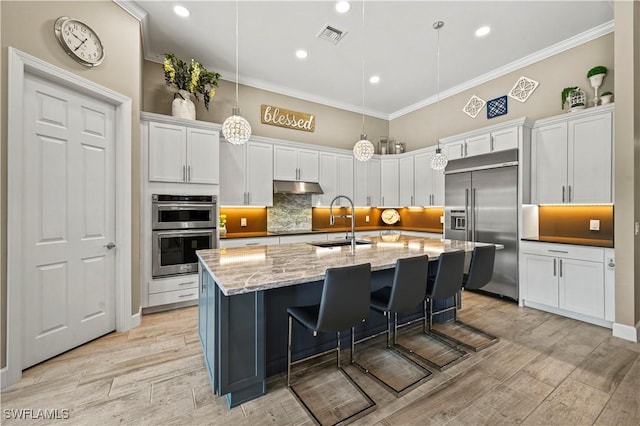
79, 40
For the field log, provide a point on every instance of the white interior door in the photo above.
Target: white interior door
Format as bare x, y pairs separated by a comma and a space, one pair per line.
68, 268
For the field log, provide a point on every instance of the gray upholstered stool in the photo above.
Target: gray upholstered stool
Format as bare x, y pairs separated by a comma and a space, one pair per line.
480, 273
405, 293
344, 304
446, 284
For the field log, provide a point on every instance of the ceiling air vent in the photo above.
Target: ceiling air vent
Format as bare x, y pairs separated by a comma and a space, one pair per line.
331, 34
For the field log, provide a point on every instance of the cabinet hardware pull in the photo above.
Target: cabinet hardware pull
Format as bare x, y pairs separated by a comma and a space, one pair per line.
563, 193
561, 268
554, 267
187, 283
186, 295
461, 150
466, 149
383, 200
557, 251
569, 200
491, 143
412, 200
184, 173
251, 244
188, 173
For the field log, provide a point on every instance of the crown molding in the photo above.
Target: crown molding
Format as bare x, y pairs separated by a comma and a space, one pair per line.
567, 44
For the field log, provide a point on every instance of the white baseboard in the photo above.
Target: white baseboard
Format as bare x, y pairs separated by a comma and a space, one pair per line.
4, 378
626, 332
135, 319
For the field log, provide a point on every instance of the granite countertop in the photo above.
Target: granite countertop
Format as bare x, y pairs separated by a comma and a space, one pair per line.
234, 235
573, 241
249, 269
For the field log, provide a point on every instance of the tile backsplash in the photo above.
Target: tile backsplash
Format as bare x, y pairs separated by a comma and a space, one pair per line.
290, 212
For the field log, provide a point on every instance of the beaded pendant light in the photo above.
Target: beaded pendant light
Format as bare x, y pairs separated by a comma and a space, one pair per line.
439, 160
363, 149
236, 129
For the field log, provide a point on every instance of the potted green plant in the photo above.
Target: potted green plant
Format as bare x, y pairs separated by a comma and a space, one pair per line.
606, 97
190, 78
595, 76
565, 94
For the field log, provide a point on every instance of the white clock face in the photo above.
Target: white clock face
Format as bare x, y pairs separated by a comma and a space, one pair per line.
79, 41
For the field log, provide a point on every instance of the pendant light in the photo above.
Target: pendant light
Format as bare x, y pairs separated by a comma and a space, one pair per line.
236, 129
439, 160
363, 149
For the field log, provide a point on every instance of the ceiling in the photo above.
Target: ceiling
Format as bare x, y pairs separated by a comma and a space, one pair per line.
398, 43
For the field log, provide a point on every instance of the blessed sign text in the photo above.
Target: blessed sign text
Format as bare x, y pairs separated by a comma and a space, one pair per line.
281, 117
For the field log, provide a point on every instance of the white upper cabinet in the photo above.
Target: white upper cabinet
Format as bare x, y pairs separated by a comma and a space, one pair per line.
246, 174
183, 154
405, 181
367, 182
483, 142
290, 163
389, 182
336, 178
571, 159
428, 183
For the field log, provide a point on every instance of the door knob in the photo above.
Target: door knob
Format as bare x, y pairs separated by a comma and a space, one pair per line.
109, 246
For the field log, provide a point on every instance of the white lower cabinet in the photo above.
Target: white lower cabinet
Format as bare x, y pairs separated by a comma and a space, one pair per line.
181, 288
565, 279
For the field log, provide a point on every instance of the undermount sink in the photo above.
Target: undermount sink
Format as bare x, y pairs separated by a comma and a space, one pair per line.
337, 243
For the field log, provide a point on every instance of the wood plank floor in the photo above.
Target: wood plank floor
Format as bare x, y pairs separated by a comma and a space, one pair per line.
546, 369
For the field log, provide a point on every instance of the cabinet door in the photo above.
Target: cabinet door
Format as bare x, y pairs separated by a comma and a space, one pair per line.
589, 174
438, 188
478, 145
373, 181
285, 163
454, 150
308, 165
540, 275
345, 178
389, 182
423, 179
582, 287
203, 150
361, 183
549, 164
233, 174
328, 178
405, 181
259, 170
167, 153
504, 139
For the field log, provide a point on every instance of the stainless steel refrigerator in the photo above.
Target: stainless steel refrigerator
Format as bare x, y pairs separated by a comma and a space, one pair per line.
481, 205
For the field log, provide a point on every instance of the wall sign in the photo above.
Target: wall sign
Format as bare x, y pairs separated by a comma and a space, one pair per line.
276, 116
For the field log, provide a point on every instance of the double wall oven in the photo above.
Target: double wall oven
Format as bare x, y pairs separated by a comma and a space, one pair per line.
181, 225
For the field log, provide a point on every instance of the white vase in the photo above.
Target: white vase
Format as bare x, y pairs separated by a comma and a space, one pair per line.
596, 82
222, 230
182, 106
605, 99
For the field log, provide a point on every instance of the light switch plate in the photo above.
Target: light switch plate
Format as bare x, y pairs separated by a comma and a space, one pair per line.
366, 218
594, 225
243, 221
441, 219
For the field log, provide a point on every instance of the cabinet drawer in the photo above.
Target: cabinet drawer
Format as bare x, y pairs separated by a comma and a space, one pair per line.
173, 296
174, 283
244, 242
592, 254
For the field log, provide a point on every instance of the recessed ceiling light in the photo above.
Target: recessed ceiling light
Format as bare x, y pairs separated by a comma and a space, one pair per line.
374, 79
181, 11
483, 31
301, 53
343, 6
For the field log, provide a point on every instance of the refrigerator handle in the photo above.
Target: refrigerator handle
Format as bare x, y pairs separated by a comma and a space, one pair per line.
466, 214
474, 234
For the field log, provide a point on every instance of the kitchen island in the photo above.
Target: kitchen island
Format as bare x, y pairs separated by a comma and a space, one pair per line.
244, 294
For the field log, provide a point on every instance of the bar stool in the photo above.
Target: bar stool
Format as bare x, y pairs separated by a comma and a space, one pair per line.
480, 274
444, 285
406, 292
346, 294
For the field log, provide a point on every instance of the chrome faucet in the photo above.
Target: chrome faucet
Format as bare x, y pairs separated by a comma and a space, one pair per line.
352, 216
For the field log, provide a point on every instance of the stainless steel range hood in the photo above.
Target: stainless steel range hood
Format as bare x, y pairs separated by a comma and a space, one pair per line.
296, 187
